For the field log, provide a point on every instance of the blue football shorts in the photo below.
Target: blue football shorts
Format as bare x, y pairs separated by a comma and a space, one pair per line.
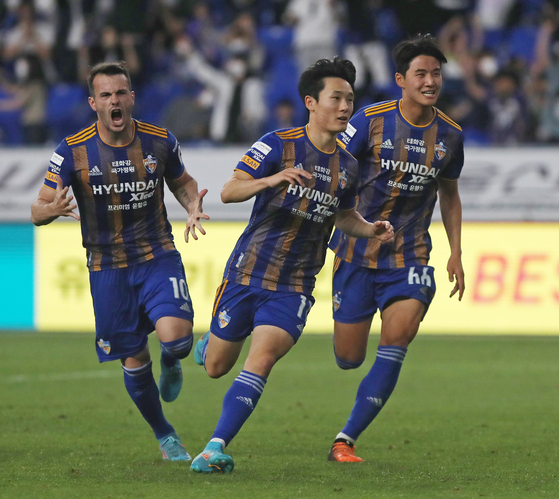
357, 292
128, 302
238, 309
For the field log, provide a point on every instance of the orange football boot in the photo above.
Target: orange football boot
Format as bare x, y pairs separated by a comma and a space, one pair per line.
343, 452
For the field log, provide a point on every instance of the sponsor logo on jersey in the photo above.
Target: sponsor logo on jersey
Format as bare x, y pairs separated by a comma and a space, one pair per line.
95, 172
440, 150
313, 194
104, 345
300, 327
336, 301
138, 190
342, 179
51, 176
263, 148
247, 160
247, 401
387, 144
150, 163
56, 159
299, 166
186, 307
54, 169
224, 319
408, 167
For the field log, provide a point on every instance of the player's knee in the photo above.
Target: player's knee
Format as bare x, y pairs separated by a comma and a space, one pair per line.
179, 349
348, 364
217, 369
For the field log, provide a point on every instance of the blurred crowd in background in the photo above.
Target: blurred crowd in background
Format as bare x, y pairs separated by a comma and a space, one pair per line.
226, 71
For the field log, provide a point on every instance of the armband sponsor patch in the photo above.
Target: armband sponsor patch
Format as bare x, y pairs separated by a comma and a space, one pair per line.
56, 159
350, 130
51, 176
250, 162
263, 148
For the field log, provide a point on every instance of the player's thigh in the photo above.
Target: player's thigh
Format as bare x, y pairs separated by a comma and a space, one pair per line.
166, 297
120, 331
269, 344
221, 355
350, 340
353, 293
400, 322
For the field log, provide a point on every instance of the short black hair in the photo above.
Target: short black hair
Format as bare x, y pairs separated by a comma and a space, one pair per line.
109, 69
407, 50
312, 82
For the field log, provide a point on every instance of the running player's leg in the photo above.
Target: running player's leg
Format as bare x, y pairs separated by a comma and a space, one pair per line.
353, 309
404, 303
278, 321
140, 385
167, 303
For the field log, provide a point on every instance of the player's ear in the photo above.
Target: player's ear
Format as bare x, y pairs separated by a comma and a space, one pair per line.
309, 102
91, 101
400, 80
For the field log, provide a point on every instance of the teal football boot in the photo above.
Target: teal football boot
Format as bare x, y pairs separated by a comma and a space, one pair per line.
213, 460
172, 448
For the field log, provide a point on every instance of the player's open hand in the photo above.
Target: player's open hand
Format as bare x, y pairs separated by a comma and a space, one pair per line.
456, 271
195, 214
383, 230
291, 176
62, 205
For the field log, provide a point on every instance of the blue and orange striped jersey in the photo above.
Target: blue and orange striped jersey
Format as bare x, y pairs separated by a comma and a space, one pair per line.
399, 167
284, 245
119, 191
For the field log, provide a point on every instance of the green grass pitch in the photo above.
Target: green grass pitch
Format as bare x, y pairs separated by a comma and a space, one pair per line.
471, 417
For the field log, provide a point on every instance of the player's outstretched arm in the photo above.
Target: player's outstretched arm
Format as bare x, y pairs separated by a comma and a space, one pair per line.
350, 222
242, 186
50, 204
451, 212
185, 189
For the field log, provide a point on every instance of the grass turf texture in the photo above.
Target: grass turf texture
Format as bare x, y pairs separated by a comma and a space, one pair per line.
470, 417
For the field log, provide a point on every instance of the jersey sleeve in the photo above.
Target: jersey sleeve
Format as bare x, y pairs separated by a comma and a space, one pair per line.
263, 158
349, 198
356, 136
454, 168
61, 164
175, 165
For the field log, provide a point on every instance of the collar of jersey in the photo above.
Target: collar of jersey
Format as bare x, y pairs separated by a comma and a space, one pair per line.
314, 145
111, 145
410, 123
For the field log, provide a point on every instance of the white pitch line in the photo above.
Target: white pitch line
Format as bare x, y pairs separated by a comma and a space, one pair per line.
77, 375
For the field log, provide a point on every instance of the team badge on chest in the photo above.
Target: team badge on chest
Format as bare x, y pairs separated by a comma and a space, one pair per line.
150, 163
440, 150
342, 179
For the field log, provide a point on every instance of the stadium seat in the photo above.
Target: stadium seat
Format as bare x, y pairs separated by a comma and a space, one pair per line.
10, 125
154, 97
67, 110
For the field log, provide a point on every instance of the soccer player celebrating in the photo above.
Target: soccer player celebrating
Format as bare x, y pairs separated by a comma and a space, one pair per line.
407, 151
304, 182
116, 168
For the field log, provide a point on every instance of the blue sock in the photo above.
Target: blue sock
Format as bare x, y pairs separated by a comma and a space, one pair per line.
375, 389
143, 391
238, 404
177, 349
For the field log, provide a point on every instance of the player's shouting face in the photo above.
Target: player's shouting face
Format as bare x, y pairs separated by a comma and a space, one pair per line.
334, 107
113, 102
422, 82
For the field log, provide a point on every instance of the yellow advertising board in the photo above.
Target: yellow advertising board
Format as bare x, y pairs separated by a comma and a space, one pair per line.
512, 279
